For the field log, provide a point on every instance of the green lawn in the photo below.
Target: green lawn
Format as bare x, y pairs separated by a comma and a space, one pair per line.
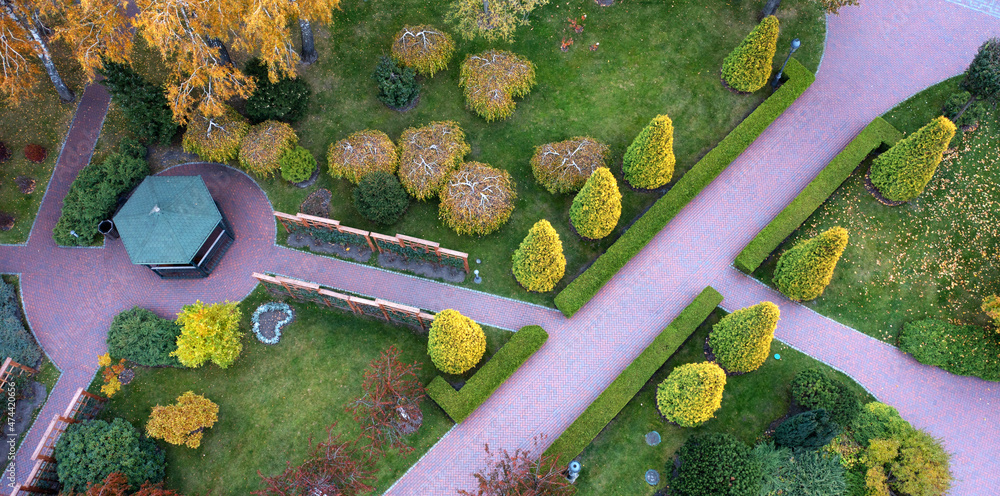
932, 257
275, 398
42, 120
617, 459
653, 58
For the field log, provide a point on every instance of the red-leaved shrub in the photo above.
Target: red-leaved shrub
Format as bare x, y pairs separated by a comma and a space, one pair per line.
4, 152
35, 153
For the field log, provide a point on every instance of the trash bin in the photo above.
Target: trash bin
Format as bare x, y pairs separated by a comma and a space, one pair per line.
107, 228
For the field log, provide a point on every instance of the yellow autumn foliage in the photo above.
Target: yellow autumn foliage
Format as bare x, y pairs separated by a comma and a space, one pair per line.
539, 262
184, 421
263, 146
597, 207
361, 153
455, 342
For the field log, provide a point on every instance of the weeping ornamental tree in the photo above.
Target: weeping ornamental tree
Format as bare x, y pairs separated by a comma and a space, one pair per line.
901, 173
804, 271
492, 19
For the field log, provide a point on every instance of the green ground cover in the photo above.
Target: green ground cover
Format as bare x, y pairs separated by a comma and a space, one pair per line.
275, 398
617, 459
42, 120
927, 258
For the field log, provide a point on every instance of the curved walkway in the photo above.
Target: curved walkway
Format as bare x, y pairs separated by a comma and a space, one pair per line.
876, 56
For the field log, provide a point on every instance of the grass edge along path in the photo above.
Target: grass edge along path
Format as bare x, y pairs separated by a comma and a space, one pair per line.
587, 426
878, 132
459, 404
582, 289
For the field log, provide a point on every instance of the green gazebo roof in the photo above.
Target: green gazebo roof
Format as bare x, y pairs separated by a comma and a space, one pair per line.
167, 220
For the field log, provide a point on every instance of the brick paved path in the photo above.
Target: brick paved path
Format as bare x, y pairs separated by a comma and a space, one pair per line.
876, 56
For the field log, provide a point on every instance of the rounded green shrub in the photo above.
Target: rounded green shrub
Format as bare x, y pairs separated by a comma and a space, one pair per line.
216, 139
959, 349
741, 341
286, 100
902, 172
649, 160
15, 341
397, 86
91, 450
455, 342
539, 262
806, 269
598, 206
812, 389
141, 336
878, 421
807, 430
748, 67
956, 102
715, 464
691, 394
380, 198
297, 165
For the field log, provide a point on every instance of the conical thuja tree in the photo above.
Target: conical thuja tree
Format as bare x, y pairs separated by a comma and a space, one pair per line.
804, 271
539, 262
748, 67
741, 341
597, 207
649, 160
901, 173
691, 394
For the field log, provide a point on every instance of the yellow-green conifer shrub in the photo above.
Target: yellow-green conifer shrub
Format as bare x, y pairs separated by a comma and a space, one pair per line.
597, 207
691, 394
649, 160
748, 67
901, 173
216, 139
455, 343
741, 341
539, 262
805, 270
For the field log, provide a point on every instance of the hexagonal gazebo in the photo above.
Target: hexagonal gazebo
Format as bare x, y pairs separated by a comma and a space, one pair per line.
173, 226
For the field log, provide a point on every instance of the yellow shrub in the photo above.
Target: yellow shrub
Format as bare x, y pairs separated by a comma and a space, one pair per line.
216, 139
455, 342
597, 207
183, 422
539, 262
477, 199
649, 161
428, 154
565, 166
748, 67
361, 153
493, 79
424, 48
691, 394
263, 146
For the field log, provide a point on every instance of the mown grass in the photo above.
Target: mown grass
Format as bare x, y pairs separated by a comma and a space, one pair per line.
928, 258
43, 120
275, 398
653, 58
616, 461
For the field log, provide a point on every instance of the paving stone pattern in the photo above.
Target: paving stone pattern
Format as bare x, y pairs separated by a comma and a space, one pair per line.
876, 56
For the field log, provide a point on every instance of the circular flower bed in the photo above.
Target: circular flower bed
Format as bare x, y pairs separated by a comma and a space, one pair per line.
268, 319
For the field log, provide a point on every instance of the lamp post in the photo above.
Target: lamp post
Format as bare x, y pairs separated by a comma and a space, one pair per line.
777, 79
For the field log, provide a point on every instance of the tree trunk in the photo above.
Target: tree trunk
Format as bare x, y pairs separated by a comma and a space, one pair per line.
486, 7
42, 51
770, 8
309, 54
223, 53
964, 107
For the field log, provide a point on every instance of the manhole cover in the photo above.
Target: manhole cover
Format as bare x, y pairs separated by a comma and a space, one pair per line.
652, 477
653, 438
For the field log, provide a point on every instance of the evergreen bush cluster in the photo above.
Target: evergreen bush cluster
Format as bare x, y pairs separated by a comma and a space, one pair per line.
361, 153
741, 341
93, 196
428, 154
397, 86
598, 206
143, 104
952, 109
539, 263
565, 166
89, 451
809, 430
455, 342
297, 165
959, 349
691, 394
264, 145
477, 199
424, 48
16, 342
902, 172
285, 100
800, 472
380, 198
216, 139
143, 337
715, 464
493, 79
748, 67
649, 160
806, 269
812, 389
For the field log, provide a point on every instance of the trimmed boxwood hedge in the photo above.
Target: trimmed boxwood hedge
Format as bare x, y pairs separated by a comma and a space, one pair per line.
588, 425
876, 133
459, 404
584, 287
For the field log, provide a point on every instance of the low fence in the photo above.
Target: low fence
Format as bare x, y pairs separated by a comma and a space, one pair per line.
42, 480
11, 370
380, 309
408, 247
